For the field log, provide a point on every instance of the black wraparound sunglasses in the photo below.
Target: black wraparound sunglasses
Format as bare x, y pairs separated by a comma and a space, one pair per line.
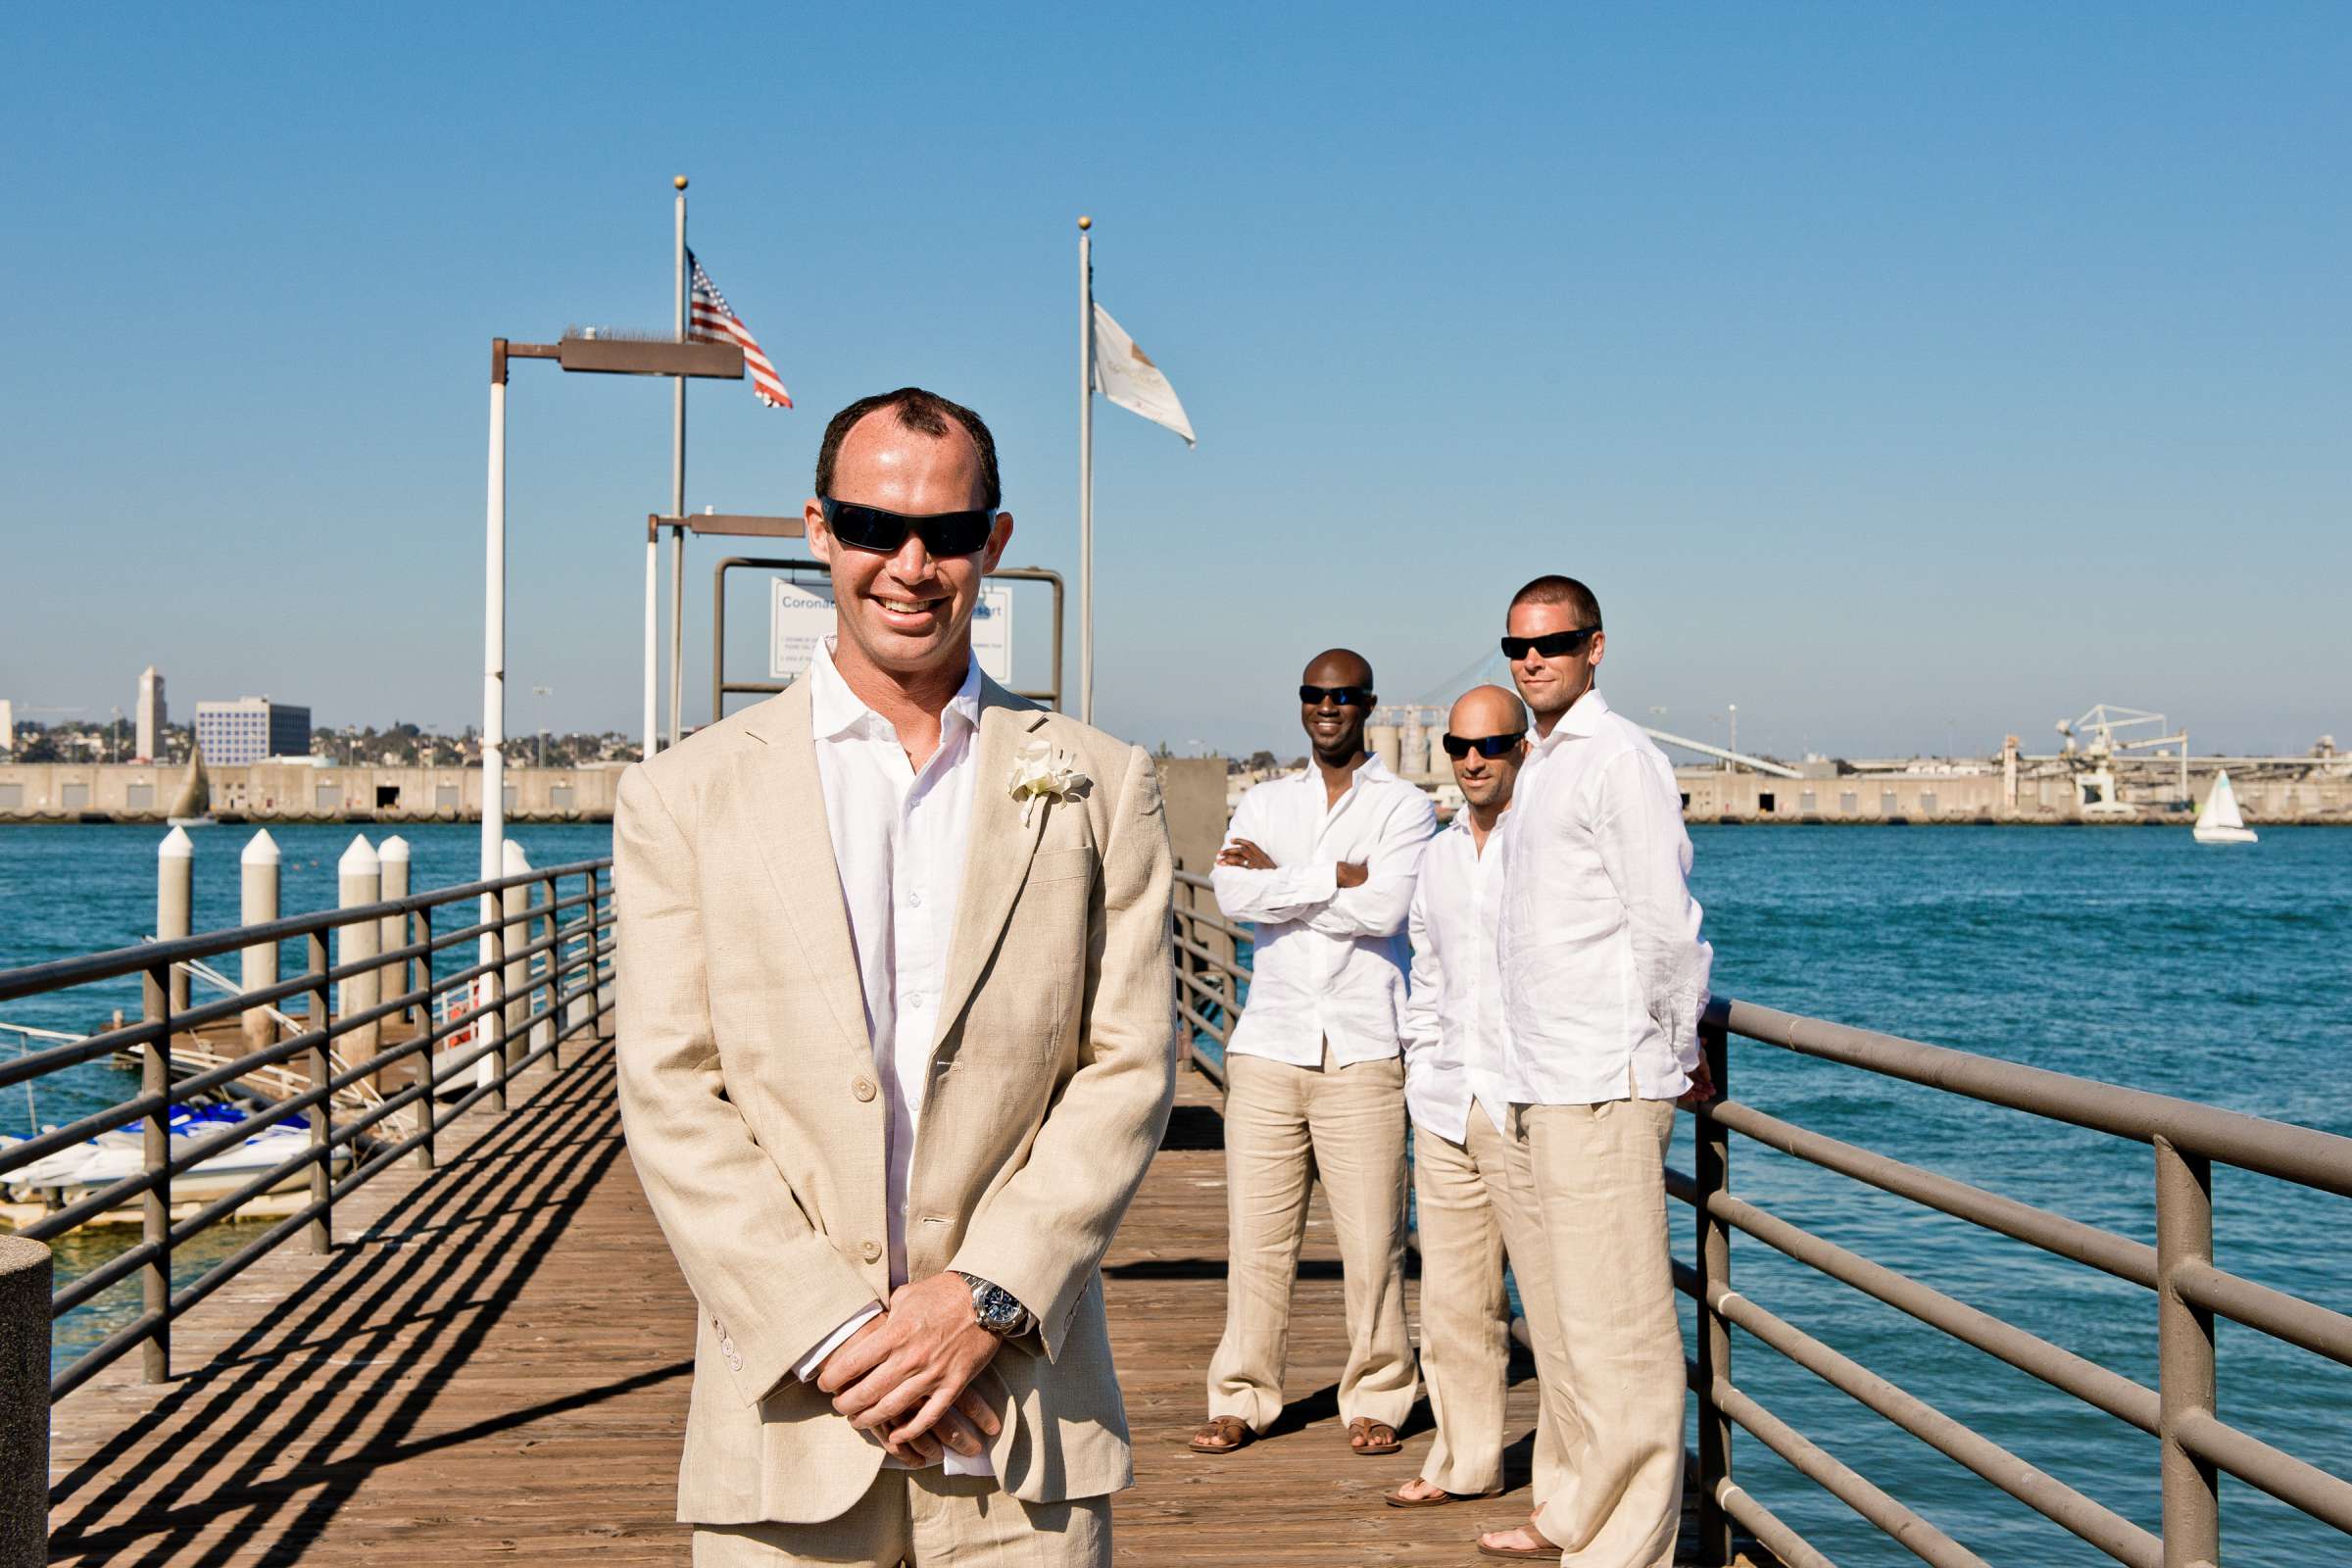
1486, 746
1552, 645
943, 533
1343, 696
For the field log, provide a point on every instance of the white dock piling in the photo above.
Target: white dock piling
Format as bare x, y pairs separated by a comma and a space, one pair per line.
515, 901
174, 896
256, 905
393, 857
359, 880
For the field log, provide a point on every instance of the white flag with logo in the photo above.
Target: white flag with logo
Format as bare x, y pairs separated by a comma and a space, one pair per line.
1127, 377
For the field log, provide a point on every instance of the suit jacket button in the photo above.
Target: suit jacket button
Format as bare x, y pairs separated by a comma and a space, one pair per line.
871, 1251
862, 1088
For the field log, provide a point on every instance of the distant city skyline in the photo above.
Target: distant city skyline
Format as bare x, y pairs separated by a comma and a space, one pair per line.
1908, 379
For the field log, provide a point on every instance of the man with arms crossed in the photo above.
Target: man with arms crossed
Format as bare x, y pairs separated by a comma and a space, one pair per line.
895, 1050
1465, 1145
1605, 978
1322, 861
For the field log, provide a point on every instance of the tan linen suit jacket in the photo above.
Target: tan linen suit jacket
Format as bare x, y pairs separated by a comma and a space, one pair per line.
748, 1093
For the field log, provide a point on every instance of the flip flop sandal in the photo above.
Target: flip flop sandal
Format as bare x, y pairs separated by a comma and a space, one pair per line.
1378, 1437
1437, 1501
1231, 1431
1547, 1552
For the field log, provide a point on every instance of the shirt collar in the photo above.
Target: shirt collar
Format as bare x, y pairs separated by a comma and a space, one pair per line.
1584, 718
1374, 769
834, 710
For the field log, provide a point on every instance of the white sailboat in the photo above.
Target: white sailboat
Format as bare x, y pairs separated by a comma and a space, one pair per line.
2218, 822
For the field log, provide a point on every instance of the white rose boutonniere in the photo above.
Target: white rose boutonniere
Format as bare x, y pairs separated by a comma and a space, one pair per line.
1042, 772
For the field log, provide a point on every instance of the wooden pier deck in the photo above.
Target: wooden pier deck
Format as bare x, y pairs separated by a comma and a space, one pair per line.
493, 1365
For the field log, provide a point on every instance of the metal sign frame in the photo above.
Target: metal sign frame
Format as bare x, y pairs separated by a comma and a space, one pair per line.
721, 687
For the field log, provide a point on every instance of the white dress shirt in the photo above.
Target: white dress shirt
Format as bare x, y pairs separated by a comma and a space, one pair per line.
1329, 961
1603, 967
1453, 1018
899, 837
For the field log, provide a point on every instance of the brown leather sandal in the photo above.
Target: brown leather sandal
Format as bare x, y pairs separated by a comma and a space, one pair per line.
1367, 1436
1545, 1552
1396, 1500
1221, 1434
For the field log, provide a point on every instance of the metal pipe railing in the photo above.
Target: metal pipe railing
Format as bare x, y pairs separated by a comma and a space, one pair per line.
2195, 1445
551, 979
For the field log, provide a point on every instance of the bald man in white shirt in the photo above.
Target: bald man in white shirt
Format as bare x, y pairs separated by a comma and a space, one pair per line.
1465, 1143
1605, 978
1322, 861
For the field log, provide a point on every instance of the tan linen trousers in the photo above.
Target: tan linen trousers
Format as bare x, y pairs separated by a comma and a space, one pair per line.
1475, 1206
1283, 1127
1599, 1179
920, 1518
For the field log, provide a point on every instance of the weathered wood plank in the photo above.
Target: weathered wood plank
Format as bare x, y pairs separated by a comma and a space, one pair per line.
493, 1366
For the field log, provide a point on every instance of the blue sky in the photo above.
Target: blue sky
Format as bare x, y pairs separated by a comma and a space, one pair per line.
1905, 375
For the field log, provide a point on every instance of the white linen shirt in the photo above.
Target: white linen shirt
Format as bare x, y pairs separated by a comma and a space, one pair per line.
1329, 961
1604, 972
899, 837
1454, 1018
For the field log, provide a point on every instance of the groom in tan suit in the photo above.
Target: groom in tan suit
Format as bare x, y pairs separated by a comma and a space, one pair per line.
895, 1050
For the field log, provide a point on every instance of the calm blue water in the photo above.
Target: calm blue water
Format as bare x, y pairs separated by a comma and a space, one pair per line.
65, 891
2130, 956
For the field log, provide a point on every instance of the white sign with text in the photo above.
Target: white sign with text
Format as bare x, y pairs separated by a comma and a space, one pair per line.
801, 615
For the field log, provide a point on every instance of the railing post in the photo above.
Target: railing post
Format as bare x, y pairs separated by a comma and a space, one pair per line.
1712, 1169
596, 983
322, 1167
155, 1206
2186, 1379
493, 1014
24, 1285
420, 1066
555, 974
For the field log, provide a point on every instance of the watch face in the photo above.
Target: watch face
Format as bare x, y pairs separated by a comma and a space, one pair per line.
997, 1308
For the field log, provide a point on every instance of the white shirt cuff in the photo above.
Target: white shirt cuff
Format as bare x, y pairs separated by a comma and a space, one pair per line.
806, 1367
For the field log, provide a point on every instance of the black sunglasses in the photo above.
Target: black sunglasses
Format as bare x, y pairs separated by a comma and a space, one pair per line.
1552, 645
1343, 696
1486, 746
944, 533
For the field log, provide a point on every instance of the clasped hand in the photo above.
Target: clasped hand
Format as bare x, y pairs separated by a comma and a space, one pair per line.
906, 1375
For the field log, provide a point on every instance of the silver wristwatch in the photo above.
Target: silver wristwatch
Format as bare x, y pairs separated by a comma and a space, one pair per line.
996, 1308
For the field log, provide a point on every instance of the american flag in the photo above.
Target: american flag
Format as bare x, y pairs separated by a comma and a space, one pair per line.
712, 322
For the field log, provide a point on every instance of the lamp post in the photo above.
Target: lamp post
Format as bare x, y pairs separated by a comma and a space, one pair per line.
603, 356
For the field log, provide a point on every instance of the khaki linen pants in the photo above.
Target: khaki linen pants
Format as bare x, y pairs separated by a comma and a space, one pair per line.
920, 1518
1599, 1178
1475, 1206
1284, 1126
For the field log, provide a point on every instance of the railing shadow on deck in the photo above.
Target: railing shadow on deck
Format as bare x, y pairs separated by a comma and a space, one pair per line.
515, 1175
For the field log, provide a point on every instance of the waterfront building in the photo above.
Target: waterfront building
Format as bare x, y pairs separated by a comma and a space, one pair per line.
8, 726
250, 729
153, 720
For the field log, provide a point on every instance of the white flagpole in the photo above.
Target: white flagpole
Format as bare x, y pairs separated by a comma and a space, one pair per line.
677, 497
1086, 471
494, 651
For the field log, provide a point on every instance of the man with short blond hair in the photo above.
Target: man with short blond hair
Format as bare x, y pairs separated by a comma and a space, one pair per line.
1605, 978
